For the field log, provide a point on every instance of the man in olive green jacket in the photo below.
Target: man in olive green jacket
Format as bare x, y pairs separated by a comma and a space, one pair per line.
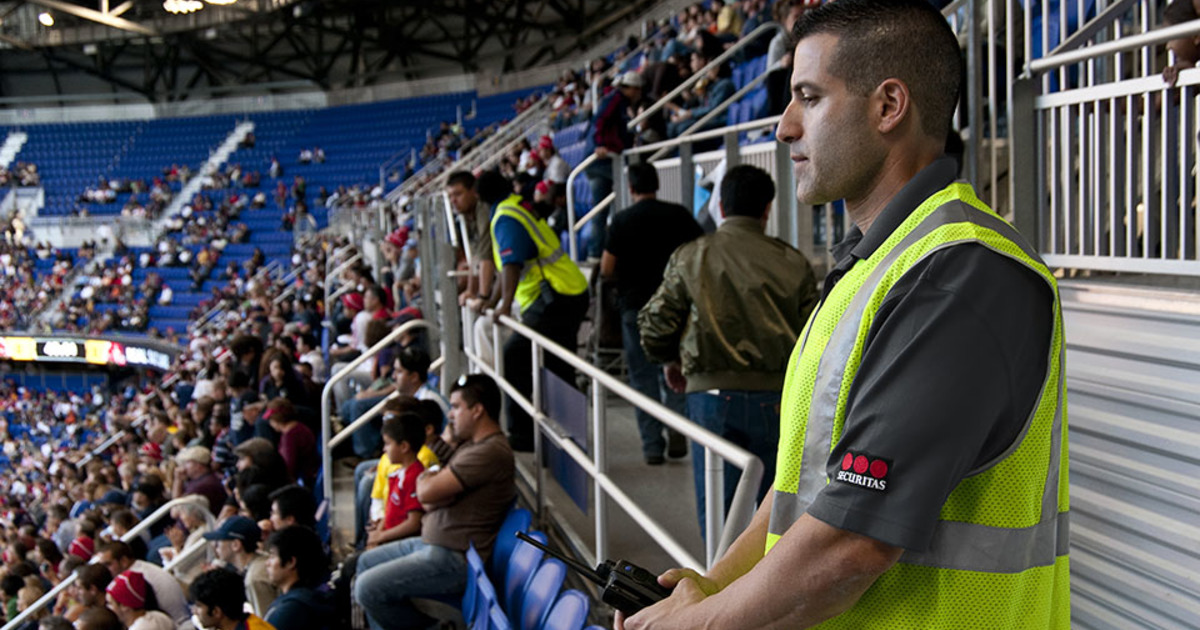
724, 322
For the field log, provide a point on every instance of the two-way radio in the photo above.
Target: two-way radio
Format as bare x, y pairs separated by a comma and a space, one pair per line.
626, 586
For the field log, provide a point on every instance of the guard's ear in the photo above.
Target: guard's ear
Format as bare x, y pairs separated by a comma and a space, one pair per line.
892, 105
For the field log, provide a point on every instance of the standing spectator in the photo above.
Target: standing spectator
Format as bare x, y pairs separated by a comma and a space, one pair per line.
640, 241
134, 603
236, 542
546, 285
219, 600
467, 502
725, 346
609, 135
296, 565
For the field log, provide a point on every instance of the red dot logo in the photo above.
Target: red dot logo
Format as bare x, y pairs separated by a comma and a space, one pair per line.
860, 464
847, 461
879, 469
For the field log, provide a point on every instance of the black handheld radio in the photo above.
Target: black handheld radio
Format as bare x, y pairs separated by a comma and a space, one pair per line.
626, 586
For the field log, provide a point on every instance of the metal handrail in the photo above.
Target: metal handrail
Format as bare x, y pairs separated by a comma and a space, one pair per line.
330, 278
327, 393
137, 530
104, 446
1125, 44
591, 214
369, 415
572, 246
696, 76
720, 109
769, 121
716, 448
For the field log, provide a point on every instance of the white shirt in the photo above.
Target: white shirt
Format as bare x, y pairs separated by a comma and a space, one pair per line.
153, 620
168, 592
428, 393
557, 170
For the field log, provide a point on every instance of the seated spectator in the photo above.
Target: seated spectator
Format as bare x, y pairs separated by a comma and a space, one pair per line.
190, 527
219, 598
88, 590
466, 502
403, 438
297, 444
291, 505
717, 90
133, 601
237, 546
557, 169
118, 558
195, 476
100, 618
296, 565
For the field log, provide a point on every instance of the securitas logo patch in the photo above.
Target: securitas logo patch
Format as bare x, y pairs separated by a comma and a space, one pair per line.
865, 471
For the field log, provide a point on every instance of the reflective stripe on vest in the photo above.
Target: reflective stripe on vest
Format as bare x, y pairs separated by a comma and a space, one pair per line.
987, 528
551, 262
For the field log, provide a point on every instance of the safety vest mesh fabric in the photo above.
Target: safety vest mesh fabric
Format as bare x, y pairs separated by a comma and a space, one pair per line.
564, 276
999, 552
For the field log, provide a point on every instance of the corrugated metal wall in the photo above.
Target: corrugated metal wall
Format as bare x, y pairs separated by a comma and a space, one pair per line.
1133, 381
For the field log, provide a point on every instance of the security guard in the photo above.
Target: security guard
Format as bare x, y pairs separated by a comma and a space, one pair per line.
922, 469
546, 285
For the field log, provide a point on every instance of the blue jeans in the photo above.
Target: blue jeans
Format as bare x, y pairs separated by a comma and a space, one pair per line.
647, 378
367, 441
390, 575
600, 179
362, 500
748, 419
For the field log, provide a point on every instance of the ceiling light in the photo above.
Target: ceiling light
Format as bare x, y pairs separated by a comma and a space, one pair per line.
182, 6
221, 2
46, 19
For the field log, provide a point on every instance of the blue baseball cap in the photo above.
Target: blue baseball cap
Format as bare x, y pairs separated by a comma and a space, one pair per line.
237, 528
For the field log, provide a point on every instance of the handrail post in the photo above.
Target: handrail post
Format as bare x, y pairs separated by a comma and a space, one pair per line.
714, 502
327, 394
572, 246
536, 395
600, 461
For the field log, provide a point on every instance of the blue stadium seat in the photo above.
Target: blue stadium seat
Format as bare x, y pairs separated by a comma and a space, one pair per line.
518, 520
542, 591
521, 566
569, 612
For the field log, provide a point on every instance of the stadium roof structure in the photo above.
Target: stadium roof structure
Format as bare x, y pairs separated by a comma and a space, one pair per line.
136, 50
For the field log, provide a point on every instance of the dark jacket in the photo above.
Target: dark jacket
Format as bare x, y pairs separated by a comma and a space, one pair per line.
301, 608
729, 309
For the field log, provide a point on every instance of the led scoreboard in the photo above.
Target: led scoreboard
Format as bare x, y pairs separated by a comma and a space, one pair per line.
120, 352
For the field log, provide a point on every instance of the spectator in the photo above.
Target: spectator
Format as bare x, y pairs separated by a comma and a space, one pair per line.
718, 90
237, 546
99, 618
291, 505
296, 565
371, 479
195, 476
297, 444
466, 502
88, 590
219, 600
640, 242
609, 135
714, 336
556, 167
547, 287
310, 353
134, 603
411, 371
403, 438
118, 558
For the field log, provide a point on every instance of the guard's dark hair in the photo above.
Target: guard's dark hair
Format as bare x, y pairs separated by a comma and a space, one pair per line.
492, 187
221, 588
461, 178
643, 178
302, 544
746, 191
908, 40
480, 389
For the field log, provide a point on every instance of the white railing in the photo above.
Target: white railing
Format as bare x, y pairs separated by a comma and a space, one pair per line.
341, 375
721, 530
1105, 166
136, 531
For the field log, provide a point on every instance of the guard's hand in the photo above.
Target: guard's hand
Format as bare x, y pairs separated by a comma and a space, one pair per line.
601, 153
672, 577
665, 614
1171, 75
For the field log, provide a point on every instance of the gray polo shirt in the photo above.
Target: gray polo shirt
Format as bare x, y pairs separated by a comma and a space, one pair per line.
953, 366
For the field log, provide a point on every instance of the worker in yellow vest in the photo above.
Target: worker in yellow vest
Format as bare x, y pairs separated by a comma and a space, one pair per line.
922, 467
545, 285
